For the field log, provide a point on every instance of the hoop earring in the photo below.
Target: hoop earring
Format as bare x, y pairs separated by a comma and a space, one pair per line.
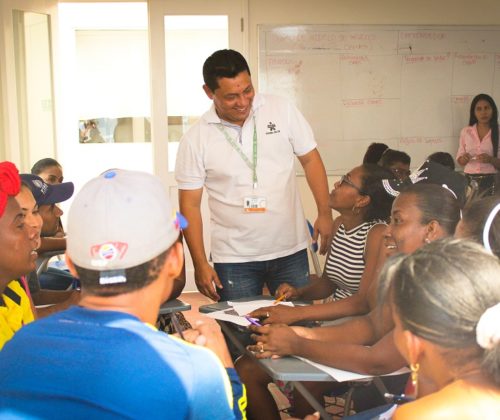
414, 367
355, 210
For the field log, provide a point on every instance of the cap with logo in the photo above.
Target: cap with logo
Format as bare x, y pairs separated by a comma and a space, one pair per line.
46, 194
119, 220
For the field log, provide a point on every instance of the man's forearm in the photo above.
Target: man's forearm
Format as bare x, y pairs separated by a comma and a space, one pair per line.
316, 179
52, 244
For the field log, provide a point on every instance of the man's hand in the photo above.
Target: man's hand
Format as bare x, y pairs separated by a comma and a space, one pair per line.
207, 333
323, 226
207, 281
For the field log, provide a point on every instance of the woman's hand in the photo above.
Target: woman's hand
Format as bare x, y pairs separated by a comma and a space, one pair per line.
290, 292
277, 314
464, 159
484, 158
273, 340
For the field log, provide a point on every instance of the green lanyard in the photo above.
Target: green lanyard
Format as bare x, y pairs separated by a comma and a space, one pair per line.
251, 165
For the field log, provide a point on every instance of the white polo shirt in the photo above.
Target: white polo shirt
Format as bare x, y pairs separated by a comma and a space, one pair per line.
206, 158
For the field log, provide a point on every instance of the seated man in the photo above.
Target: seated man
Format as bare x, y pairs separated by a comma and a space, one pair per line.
17, 255
122, 242
56, 299
47, 197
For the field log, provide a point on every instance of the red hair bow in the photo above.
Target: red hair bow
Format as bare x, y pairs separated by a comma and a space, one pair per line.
10, 183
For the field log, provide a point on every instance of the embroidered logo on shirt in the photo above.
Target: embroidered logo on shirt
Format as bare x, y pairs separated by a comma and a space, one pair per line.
272, 128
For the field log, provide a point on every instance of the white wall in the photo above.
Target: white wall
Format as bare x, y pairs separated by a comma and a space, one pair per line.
383, 12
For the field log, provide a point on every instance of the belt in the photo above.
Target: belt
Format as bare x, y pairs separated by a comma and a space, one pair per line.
480, 176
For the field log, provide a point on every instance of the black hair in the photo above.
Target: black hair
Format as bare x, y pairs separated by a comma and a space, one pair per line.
440, 293
137, 277
223, 63
436, 203
391, 156
443, 158
374, 152
493, 120
475, 213
43, 164
380, 204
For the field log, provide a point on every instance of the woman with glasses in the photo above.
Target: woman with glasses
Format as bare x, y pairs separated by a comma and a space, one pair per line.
421, 214
364, 207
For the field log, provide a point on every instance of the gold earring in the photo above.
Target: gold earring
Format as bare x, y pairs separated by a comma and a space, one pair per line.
414, 367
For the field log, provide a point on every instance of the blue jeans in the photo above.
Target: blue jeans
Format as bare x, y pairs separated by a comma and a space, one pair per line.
247, 279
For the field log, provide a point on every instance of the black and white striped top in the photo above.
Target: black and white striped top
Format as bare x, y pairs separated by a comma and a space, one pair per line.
346, 262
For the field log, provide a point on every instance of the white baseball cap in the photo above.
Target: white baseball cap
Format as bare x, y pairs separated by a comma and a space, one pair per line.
119, 220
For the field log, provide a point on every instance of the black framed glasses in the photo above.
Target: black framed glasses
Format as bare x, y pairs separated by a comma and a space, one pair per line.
345, 180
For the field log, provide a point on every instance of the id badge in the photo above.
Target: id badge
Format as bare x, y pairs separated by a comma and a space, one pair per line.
254, 204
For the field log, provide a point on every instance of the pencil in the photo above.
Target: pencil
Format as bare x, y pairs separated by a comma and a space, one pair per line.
279, 299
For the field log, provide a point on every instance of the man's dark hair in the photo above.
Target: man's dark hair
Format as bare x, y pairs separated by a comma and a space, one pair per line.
138, 277
223, 63
43, 164
443, 158
391, 156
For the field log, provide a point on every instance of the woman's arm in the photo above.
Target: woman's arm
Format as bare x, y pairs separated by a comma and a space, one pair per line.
462, 157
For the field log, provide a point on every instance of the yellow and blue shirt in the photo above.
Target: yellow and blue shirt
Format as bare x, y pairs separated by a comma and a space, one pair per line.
15, 311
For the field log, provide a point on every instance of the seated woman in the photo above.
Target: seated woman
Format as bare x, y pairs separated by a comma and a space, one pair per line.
364, 208
451, 337
421, 214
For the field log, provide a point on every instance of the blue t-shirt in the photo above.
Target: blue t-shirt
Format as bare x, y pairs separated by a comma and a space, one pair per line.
88, 364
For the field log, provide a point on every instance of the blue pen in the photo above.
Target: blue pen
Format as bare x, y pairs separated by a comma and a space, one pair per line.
253, 321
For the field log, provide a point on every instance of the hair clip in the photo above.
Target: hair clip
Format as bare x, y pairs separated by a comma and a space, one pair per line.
487, 227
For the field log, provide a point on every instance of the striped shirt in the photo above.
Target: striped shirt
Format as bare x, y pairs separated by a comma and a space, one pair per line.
346, 262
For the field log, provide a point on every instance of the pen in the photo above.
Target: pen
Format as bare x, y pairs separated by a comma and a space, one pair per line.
279, 299
253, 321
177, 326
398, 399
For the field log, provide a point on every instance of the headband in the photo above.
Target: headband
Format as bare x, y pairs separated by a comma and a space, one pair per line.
10, 183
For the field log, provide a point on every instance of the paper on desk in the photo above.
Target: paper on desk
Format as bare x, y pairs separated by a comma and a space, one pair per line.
345, 375
236, 311
244, 308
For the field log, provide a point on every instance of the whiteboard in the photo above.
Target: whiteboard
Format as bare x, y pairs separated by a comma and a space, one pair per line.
407, 86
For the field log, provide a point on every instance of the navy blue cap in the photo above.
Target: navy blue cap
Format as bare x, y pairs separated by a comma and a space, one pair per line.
46, 194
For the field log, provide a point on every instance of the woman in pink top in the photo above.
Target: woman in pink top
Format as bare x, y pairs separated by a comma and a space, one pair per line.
478, 151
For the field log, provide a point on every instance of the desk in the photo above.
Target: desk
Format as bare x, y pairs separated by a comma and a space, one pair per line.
285, 368
174, 305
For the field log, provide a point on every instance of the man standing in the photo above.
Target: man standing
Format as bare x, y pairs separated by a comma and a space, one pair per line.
103, 358
243, 152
